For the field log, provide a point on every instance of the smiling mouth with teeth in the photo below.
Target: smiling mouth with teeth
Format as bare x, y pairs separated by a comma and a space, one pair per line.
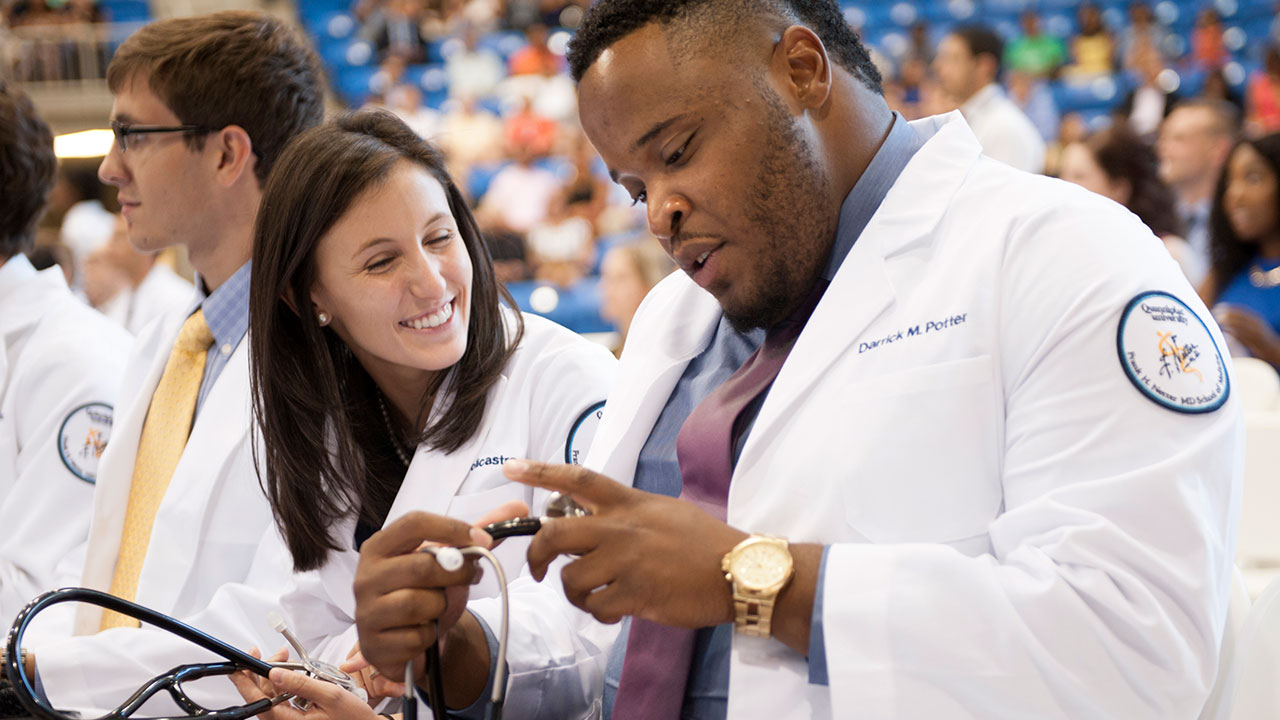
702, 259
435, 319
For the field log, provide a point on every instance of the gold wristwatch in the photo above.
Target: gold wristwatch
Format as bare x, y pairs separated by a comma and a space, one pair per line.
758, 568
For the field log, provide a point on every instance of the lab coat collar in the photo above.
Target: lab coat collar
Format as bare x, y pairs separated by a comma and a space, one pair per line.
24, 292
863, 288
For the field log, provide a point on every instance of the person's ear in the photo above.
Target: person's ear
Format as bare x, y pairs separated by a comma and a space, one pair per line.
807, 66
234, 149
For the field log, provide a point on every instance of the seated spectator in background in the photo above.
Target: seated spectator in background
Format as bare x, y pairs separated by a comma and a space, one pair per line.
968, 68
130, 286
473, 71
1117, 164
1147, 105
1192, 147
405, 100
444, 18
1216, 87
394, 28
528, 131
1071, 129
535, 58
1244, 279
627, 273
469, 135
1093, 48
1262, 103
919, 46
390, 74
1208, 49
1034, 98
510, 260
86, 224
519, 197
1035, 53
561, 247
912, 78
1142, 32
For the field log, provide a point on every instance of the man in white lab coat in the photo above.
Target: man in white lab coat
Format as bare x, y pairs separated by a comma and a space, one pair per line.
998, 472
203, 107
60, 365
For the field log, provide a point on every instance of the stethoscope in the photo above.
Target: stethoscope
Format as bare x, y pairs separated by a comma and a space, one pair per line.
449, 558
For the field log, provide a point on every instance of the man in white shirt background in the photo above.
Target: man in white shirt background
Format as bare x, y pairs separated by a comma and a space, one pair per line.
968, 69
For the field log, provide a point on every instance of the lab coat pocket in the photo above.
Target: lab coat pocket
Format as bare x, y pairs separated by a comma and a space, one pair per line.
511, 552
927, 453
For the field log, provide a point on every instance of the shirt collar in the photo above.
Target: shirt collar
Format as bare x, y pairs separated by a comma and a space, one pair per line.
14, 272
226, 309
870, 190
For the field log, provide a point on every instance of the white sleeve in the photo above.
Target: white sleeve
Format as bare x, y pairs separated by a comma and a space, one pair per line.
98, 672
1105, 590
64, 392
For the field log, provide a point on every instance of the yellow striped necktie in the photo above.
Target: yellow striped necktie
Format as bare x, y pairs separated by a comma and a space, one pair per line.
164, 437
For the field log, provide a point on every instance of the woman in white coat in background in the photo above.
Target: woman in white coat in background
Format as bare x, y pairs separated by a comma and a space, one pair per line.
389, 380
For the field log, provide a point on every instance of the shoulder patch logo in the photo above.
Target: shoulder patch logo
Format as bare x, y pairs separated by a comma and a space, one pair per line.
1170, 356
82, 438
582, 433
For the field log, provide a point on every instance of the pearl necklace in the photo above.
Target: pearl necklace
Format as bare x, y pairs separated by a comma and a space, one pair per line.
391, 433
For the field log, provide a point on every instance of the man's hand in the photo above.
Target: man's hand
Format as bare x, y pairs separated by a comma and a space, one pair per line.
640, 554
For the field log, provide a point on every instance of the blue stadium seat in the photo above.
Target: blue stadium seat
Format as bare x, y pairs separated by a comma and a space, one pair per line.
352, 83
576, 307
479, 179
127, 10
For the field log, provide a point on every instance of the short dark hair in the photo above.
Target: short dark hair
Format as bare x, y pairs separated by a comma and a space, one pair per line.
608, 21
27, 170
1228, 252
326, 455
228, 68
981, 40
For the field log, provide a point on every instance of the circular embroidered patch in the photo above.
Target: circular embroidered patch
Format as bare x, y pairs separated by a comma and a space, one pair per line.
82, 438
1170, 356
582, 433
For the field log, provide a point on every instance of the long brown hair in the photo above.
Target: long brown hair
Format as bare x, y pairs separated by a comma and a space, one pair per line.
326, 454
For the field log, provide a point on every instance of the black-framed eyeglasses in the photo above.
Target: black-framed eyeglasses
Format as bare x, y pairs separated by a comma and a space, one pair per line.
122, 131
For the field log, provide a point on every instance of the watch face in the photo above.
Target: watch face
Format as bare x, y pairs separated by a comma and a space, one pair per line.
760, 565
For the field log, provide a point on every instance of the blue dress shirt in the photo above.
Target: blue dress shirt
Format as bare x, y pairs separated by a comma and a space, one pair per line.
226, 310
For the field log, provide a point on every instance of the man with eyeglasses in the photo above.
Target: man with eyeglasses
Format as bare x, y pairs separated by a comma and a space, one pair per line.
203, 107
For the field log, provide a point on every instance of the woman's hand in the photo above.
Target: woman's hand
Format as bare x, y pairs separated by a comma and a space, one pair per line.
1250, 330
328, 701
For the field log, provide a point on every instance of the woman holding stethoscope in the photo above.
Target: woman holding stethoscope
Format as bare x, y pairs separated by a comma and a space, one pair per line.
389, 380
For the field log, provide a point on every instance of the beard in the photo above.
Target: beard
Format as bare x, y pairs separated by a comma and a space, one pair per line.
787, 205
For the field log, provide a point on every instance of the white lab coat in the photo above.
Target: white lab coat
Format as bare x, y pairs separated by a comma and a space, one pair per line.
1014, 530
557, 652
59, 361
207, 530
162, 291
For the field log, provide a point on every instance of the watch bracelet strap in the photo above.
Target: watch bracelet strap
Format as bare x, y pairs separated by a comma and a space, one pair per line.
753, 616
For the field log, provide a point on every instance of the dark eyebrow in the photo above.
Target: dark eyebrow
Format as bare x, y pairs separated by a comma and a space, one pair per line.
655, 130
379, 240
123, 119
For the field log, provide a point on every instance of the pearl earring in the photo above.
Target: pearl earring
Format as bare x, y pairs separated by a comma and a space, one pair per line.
323, 317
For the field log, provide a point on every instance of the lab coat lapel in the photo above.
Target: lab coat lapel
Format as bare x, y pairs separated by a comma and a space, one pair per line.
223, 422
673, 326
863, 288
433, 478
115, 474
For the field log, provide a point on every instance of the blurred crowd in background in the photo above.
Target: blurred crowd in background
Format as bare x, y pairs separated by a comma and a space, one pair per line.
1141, 102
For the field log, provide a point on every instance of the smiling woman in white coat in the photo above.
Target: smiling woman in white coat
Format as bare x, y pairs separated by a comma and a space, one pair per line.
390, 379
